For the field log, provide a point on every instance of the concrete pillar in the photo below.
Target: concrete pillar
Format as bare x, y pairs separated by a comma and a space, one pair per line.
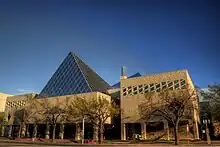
166, 128
196, 130
143, 131
123, 131
9, 130
47, 131
95, 133
34, 131
27, 131
61, 131
3, 130
78, 132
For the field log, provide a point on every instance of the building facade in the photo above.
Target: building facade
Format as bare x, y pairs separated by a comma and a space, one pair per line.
75, 78
133, 92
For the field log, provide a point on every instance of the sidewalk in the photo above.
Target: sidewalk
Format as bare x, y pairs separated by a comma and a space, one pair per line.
200, 143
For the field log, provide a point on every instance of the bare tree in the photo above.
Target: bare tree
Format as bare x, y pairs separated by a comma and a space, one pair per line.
172, 106
2, 122
53, 111
95, 110
213, 97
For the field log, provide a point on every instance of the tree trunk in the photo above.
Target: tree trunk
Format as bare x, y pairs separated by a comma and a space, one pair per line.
47, 131
35, 131
101, 133
54, 132
23, 129
61, 131
27, 131
19, 131
9, 130
176, 134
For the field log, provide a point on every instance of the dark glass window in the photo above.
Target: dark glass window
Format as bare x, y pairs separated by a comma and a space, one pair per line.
140, 90
145, 87
158, 86
135, 88
176, 81
130, 92
170, 84
183, 82
163, 83
164, 87
152, 89
176, 86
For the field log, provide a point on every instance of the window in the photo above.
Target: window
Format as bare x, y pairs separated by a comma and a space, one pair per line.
152, 89
140, 90
170, 84
151, 85
145, 87
176, 86
164, 87
158, 85
183, 86
183, 82
135, 88
163, 83
130, 92
176, 81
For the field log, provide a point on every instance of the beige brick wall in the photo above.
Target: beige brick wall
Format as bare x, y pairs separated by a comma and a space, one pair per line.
129, 103
3, 98
63, 102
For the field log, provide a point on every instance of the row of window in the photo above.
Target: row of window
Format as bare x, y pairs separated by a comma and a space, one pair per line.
154, 87
14, 104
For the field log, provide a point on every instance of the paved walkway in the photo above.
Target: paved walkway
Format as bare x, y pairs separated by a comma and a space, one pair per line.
11, 143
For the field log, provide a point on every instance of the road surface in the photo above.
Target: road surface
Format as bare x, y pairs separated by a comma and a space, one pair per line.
115, 145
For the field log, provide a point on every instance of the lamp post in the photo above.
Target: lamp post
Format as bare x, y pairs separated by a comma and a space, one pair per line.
206, 121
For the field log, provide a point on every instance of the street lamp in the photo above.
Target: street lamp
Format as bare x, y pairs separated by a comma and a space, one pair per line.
206, 121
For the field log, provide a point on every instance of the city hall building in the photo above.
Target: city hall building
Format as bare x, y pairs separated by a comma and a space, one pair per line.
75, 78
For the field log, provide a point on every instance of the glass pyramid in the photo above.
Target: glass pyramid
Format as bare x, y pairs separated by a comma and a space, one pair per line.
72, 77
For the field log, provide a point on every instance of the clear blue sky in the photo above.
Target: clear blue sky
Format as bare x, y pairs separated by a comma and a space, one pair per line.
149, 36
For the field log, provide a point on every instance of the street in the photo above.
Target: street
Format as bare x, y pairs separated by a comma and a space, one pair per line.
118, 145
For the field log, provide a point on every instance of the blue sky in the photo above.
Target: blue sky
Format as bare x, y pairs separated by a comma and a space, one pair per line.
149, 36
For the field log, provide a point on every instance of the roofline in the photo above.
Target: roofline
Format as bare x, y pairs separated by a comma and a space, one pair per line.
149, 75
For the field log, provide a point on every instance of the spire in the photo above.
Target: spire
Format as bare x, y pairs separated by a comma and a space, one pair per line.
123, 74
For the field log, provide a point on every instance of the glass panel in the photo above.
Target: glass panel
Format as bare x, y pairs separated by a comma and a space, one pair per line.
176, 86
176, 81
